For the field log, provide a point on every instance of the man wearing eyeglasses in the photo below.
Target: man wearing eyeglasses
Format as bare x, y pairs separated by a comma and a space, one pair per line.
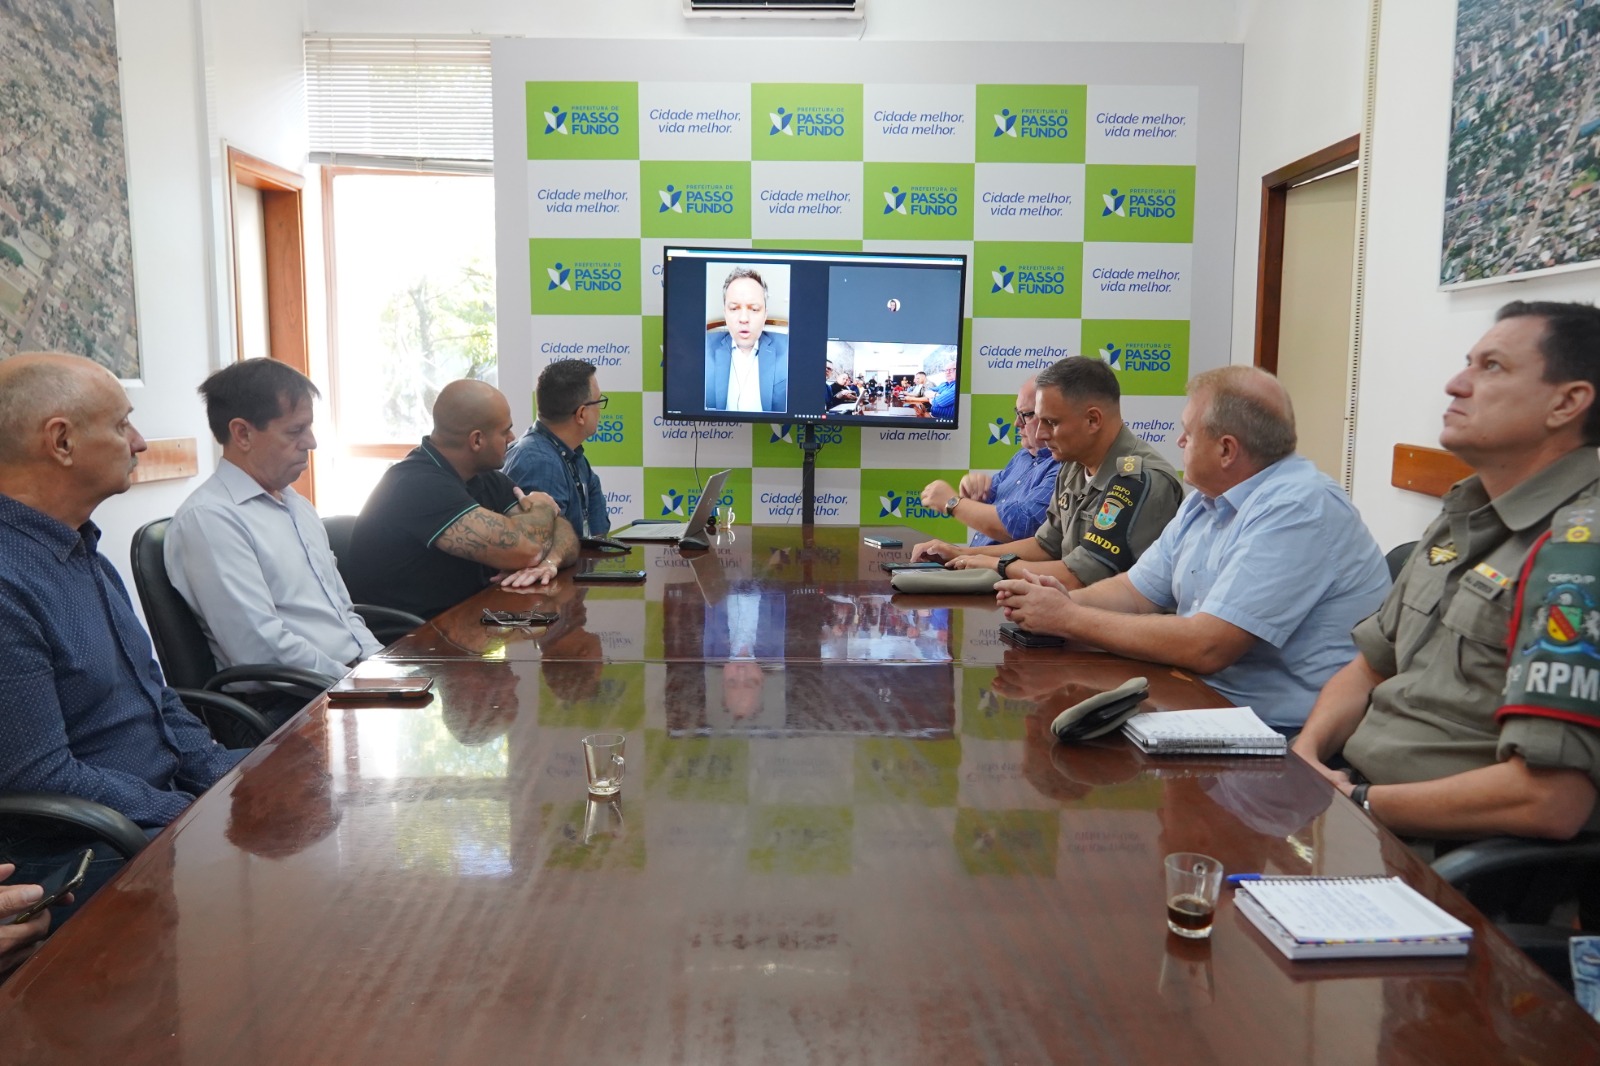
1113, 494
1010, 505
549, 456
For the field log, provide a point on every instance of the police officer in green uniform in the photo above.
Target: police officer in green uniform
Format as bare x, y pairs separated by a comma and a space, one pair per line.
1113, 496
1442, 739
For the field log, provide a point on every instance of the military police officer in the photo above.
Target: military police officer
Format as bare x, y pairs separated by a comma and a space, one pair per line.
1113, 496
1443, 740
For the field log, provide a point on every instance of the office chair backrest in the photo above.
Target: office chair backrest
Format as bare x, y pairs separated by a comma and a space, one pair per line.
1397, 558
181, 644
340, 527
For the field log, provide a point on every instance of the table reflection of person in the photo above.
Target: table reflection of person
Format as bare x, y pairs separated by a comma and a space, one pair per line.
284, 803
481, 703
747, 366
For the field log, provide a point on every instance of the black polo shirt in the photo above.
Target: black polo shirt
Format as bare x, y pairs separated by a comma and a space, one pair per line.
393, 561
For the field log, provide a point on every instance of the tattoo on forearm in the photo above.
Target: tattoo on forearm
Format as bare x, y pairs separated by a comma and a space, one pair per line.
515, 541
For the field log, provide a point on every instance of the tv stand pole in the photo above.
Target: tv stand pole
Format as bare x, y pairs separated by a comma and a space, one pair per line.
808, 476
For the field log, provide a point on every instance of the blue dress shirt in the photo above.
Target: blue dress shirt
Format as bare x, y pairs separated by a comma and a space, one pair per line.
1021, 494
944, 400
541, 462
83, 709
1283, 556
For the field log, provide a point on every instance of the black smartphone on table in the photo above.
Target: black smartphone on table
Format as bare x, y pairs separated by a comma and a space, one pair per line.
65, 879
608, 574
1012, 633
380, 688
926, 564
883, 542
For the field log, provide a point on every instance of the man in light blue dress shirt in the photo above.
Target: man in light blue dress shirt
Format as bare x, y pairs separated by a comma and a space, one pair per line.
248, 553
1257, 581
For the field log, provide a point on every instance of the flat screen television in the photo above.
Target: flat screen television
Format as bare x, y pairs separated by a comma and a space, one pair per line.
861, 338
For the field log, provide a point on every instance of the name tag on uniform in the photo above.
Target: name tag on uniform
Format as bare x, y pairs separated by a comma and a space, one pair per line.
1486, 581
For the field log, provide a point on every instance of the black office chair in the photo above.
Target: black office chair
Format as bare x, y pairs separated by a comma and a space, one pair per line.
1481, 870
181, 644
386, 623
233, 723
1397, 558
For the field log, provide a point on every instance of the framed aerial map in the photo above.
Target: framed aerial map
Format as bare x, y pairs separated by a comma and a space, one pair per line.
1522, 192
66, 248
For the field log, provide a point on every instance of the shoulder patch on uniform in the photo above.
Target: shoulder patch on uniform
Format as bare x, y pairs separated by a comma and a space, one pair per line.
1107, 535
1575, 524
1130, 464
1554, 668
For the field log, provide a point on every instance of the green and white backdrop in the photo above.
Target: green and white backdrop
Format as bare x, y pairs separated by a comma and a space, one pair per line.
1091, 186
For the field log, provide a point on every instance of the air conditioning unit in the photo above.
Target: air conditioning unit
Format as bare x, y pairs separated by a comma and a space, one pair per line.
775, 9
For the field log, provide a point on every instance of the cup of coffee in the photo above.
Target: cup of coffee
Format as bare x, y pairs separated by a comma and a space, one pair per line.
604, 762
1193, 884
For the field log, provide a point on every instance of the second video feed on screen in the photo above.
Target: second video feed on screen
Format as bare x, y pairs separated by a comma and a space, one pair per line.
892, 342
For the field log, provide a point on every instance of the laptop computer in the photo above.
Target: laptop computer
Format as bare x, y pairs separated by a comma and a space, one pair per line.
675, 531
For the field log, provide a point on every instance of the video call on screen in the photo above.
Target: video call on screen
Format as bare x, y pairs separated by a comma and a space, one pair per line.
877, 319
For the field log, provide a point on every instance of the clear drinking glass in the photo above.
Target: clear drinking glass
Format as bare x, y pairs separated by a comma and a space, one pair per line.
603, 759
1193, 883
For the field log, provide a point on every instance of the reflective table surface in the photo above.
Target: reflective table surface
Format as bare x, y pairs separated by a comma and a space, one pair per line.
768, 592
839, 860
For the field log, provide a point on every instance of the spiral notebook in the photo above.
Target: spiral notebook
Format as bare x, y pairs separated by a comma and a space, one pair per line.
1349, 917
1213, 731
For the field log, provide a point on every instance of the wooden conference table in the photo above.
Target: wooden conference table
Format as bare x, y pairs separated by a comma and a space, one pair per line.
864, 849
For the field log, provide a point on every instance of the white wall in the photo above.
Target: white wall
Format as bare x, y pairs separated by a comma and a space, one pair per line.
253, 74
1194, 21
1304, 71
1416, 337
163, 107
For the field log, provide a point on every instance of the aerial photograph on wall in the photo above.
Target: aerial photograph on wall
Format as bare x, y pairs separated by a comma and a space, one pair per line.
66, 253
1523, 186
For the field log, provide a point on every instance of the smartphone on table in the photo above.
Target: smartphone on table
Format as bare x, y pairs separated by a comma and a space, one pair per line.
380, 688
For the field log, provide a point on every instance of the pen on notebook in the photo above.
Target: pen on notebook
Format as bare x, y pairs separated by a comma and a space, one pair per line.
1239, 879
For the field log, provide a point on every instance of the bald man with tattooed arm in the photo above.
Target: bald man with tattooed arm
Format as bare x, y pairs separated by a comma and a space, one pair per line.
444, 522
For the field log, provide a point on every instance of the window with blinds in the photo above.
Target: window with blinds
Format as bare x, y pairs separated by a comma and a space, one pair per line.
400, 103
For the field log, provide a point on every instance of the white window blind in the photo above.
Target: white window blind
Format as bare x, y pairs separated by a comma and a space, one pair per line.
404, 103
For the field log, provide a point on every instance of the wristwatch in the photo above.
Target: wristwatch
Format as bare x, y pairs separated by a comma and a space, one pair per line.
950, 508
1006, 560
1358, 796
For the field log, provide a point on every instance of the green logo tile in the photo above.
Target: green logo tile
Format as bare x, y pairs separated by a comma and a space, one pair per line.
805, 121
792, 839
894, 497
700, 769
584, 277
987, 716
621, 849
917, 202
694, 200
993, 436
587, 694
1027, 279
1151, 357
650, 351
924, 772
1130, 203
671, 492
583, 120
1031, 123
1007, 843
779, 445
619, 439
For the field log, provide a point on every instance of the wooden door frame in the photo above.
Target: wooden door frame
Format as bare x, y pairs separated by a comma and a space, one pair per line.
1269, 264
283, 223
